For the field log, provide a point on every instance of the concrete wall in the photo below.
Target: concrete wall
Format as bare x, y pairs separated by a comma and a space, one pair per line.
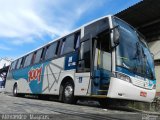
157, 69
155, 49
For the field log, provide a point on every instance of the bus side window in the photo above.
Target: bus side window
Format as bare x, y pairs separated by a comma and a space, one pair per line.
68, 44
28, 60
62, 46
51, 51
84, 57
25, 62
38, 56
34, 57
19, 63
77, 40
42, 54
22, 62
57, 48
13, 66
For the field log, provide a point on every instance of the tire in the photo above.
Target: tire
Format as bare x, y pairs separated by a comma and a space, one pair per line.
68, 93
106, 103
15, 90
103, 103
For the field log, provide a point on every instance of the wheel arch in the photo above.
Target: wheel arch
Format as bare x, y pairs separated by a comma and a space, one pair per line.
63, 82
67, 79
15, 83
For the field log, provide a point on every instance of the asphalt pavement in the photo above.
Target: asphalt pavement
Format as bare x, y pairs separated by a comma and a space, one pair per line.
15, 108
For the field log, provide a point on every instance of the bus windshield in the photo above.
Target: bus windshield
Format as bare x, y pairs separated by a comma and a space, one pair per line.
132, 52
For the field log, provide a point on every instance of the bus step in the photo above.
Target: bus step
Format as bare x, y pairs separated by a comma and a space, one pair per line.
102, 92
104, 87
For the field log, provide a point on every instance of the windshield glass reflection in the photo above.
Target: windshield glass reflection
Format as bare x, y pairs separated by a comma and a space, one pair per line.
132, 52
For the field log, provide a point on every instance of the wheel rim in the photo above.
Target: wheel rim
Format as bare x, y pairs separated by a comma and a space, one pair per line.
68, 91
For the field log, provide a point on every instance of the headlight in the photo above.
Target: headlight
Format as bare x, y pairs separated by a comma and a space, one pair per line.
123, 77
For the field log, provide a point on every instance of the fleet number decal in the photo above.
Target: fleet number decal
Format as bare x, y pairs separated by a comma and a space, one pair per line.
35, 74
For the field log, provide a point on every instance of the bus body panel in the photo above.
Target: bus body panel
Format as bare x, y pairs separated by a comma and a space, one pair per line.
9, 86
82, 84
51, 78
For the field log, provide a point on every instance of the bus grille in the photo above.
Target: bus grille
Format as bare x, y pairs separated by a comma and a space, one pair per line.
141, 83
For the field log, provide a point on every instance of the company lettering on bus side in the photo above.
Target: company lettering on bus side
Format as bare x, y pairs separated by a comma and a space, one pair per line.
35, 74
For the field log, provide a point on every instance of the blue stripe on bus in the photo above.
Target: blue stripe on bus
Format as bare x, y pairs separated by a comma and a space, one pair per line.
127, 72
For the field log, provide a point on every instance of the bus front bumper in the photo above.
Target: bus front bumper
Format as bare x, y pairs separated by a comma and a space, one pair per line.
120, 89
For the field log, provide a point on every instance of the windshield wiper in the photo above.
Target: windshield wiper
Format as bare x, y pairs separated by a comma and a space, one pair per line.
136, 58
148, 67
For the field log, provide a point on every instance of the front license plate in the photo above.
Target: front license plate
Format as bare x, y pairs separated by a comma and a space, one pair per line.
143, 94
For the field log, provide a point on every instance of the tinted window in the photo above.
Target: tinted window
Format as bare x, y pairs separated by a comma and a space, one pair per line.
38, 56
42, 55
84, 56
13, 65
62, 47
28, 60
97, 27
33, 57
51, 51
77, 40
22, 63
67, 45
19, 63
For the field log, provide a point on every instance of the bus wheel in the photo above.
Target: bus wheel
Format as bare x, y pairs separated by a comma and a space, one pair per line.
107, 102
103, 102
15, 89
68, 93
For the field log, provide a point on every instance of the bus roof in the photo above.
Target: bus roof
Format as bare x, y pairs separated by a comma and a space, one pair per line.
75, 30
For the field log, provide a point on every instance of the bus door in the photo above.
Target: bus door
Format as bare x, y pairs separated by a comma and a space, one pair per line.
82, 76
102, 64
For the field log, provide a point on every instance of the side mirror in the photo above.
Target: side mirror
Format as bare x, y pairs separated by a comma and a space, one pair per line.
116, 36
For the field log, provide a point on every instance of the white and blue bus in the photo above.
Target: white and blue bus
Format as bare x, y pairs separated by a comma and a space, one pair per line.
106, 58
